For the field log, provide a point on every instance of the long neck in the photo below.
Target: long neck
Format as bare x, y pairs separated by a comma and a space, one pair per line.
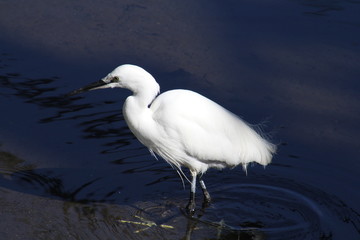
144, 99
145, 93
139, 117
136, 110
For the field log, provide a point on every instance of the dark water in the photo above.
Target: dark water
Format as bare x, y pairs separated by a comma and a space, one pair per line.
71, 169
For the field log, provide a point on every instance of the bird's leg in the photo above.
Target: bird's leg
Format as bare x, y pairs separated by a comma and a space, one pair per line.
190, 208
207, 197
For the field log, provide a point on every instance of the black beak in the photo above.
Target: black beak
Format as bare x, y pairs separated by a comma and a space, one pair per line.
92, 86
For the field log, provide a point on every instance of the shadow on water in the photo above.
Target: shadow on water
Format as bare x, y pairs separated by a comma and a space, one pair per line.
325, 7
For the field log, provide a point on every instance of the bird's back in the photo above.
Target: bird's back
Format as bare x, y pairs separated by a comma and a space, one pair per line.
197, 128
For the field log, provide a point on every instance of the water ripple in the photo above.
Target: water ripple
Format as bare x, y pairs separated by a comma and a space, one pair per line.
282, 211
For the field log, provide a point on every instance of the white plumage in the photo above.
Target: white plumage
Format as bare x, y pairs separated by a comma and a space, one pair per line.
184, 127
199, 134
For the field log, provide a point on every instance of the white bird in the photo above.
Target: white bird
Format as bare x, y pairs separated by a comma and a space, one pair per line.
184, 127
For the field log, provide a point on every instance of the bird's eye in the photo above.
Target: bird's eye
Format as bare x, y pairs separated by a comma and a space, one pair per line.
115, 79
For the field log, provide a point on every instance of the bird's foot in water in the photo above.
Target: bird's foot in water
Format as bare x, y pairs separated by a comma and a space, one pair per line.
207, 198
205, 204
190, 208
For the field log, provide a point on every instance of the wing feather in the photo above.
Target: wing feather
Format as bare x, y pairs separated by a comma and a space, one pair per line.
208, 132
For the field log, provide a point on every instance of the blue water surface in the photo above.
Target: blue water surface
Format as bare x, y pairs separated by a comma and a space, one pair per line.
71, 169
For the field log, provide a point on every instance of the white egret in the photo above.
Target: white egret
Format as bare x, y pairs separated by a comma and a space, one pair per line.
184, 127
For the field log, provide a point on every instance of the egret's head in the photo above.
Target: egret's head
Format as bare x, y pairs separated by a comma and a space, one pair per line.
126, 76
